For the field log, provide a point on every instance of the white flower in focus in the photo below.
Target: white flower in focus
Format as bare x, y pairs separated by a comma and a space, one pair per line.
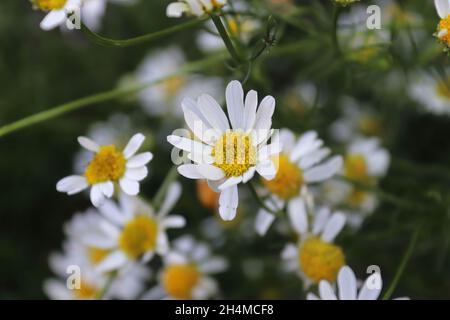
224, 155
432, 92
315, 257
301, 162
165, 98
134, 231
107, 167
193, 7
186, 272
347, 285
57, 11
443, 29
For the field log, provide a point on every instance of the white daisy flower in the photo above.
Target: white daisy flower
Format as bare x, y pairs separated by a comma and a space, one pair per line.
57, 11
301, 162
107, 167
443, 29
315, 257
224, 155
186, 272
347, 285
193, 7
365, 162
356, 121
165, 98
133, 230
431, 92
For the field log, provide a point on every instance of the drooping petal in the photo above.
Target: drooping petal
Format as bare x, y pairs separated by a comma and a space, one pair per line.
96, 195
88, 144
228, 202
53, 19
72, 184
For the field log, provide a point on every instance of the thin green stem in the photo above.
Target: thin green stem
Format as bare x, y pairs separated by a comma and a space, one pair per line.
226, 38
104, 41
111, 277
401, 268
159, 197
102, 97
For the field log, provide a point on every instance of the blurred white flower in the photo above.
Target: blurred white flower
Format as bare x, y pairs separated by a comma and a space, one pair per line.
134, 231
228, 156
443, 29
301, 162
186, 272
315, 257
107, 167
193, 7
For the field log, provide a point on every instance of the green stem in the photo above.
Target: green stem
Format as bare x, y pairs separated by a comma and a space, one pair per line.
159, 197
101, 40
112, 276
226, 39
102, 97
403, 263
334, 32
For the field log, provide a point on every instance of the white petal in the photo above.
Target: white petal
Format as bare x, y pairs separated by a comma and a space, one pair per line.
290, 251
88, 144
442, 7
308, 142
347, 284
324, 171
234, 95
162, 246
197, 122
174, 222
371, 288
214, 265
136, 174
188, 145
133, 145
97, 197
326, 291
53, 19
379, 163
251, 103
139, 160
311, 296
72, 184
107, 188
213, 112
113, 261
313, 158
233, 181
128, 186
320, 220
176, 9
269, 150
190, 171
249, 174
228, 202
172, 195
263, 221
264, 114
297, 215
267, 169
333, 227
210, 172
112, 212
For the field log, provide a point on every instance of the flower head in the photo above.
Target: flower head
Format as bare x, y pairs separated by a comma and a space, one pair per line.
193, 7
224, 155
443, 28
57, 11
107, 167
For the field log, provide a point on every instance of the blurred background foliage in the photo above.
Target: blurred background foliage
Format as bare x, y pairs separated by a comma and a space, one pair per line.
40, 69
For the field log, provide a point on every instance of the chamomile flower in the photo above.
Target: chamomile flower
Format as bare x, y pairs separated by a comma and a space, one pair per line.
187, 270
193, 7
57, 11
347, 287
443, 28
224, 155
134, 231
315, 257
301, 162
365, 162
107, 167
165, 97
432, 92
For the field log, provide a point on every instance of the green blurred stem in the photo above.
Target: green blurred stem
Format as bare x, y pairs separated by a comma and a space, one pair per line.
334, 32
103, 96
159, 197
111, 277
101, 40
401, 268
226, 38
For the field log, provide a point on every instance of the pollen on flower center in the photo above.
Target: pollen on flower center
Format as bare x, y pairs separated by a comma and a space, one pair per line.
108, 164
444, 24
138, 236
86, 291
179, 280
288, 180
320, 260
47, 5
96, 255
355, 167
234, 153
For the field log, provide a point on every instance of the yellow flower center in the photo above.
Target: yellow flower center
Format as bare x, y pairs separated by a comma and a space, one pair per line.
172, 86
86, 291
96, 255
138, 236
108, 164
443, 89
356, 197
320, 260
234, 153
47, 5
444, 24
179, 280
355, 167
288, 180
369, 125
